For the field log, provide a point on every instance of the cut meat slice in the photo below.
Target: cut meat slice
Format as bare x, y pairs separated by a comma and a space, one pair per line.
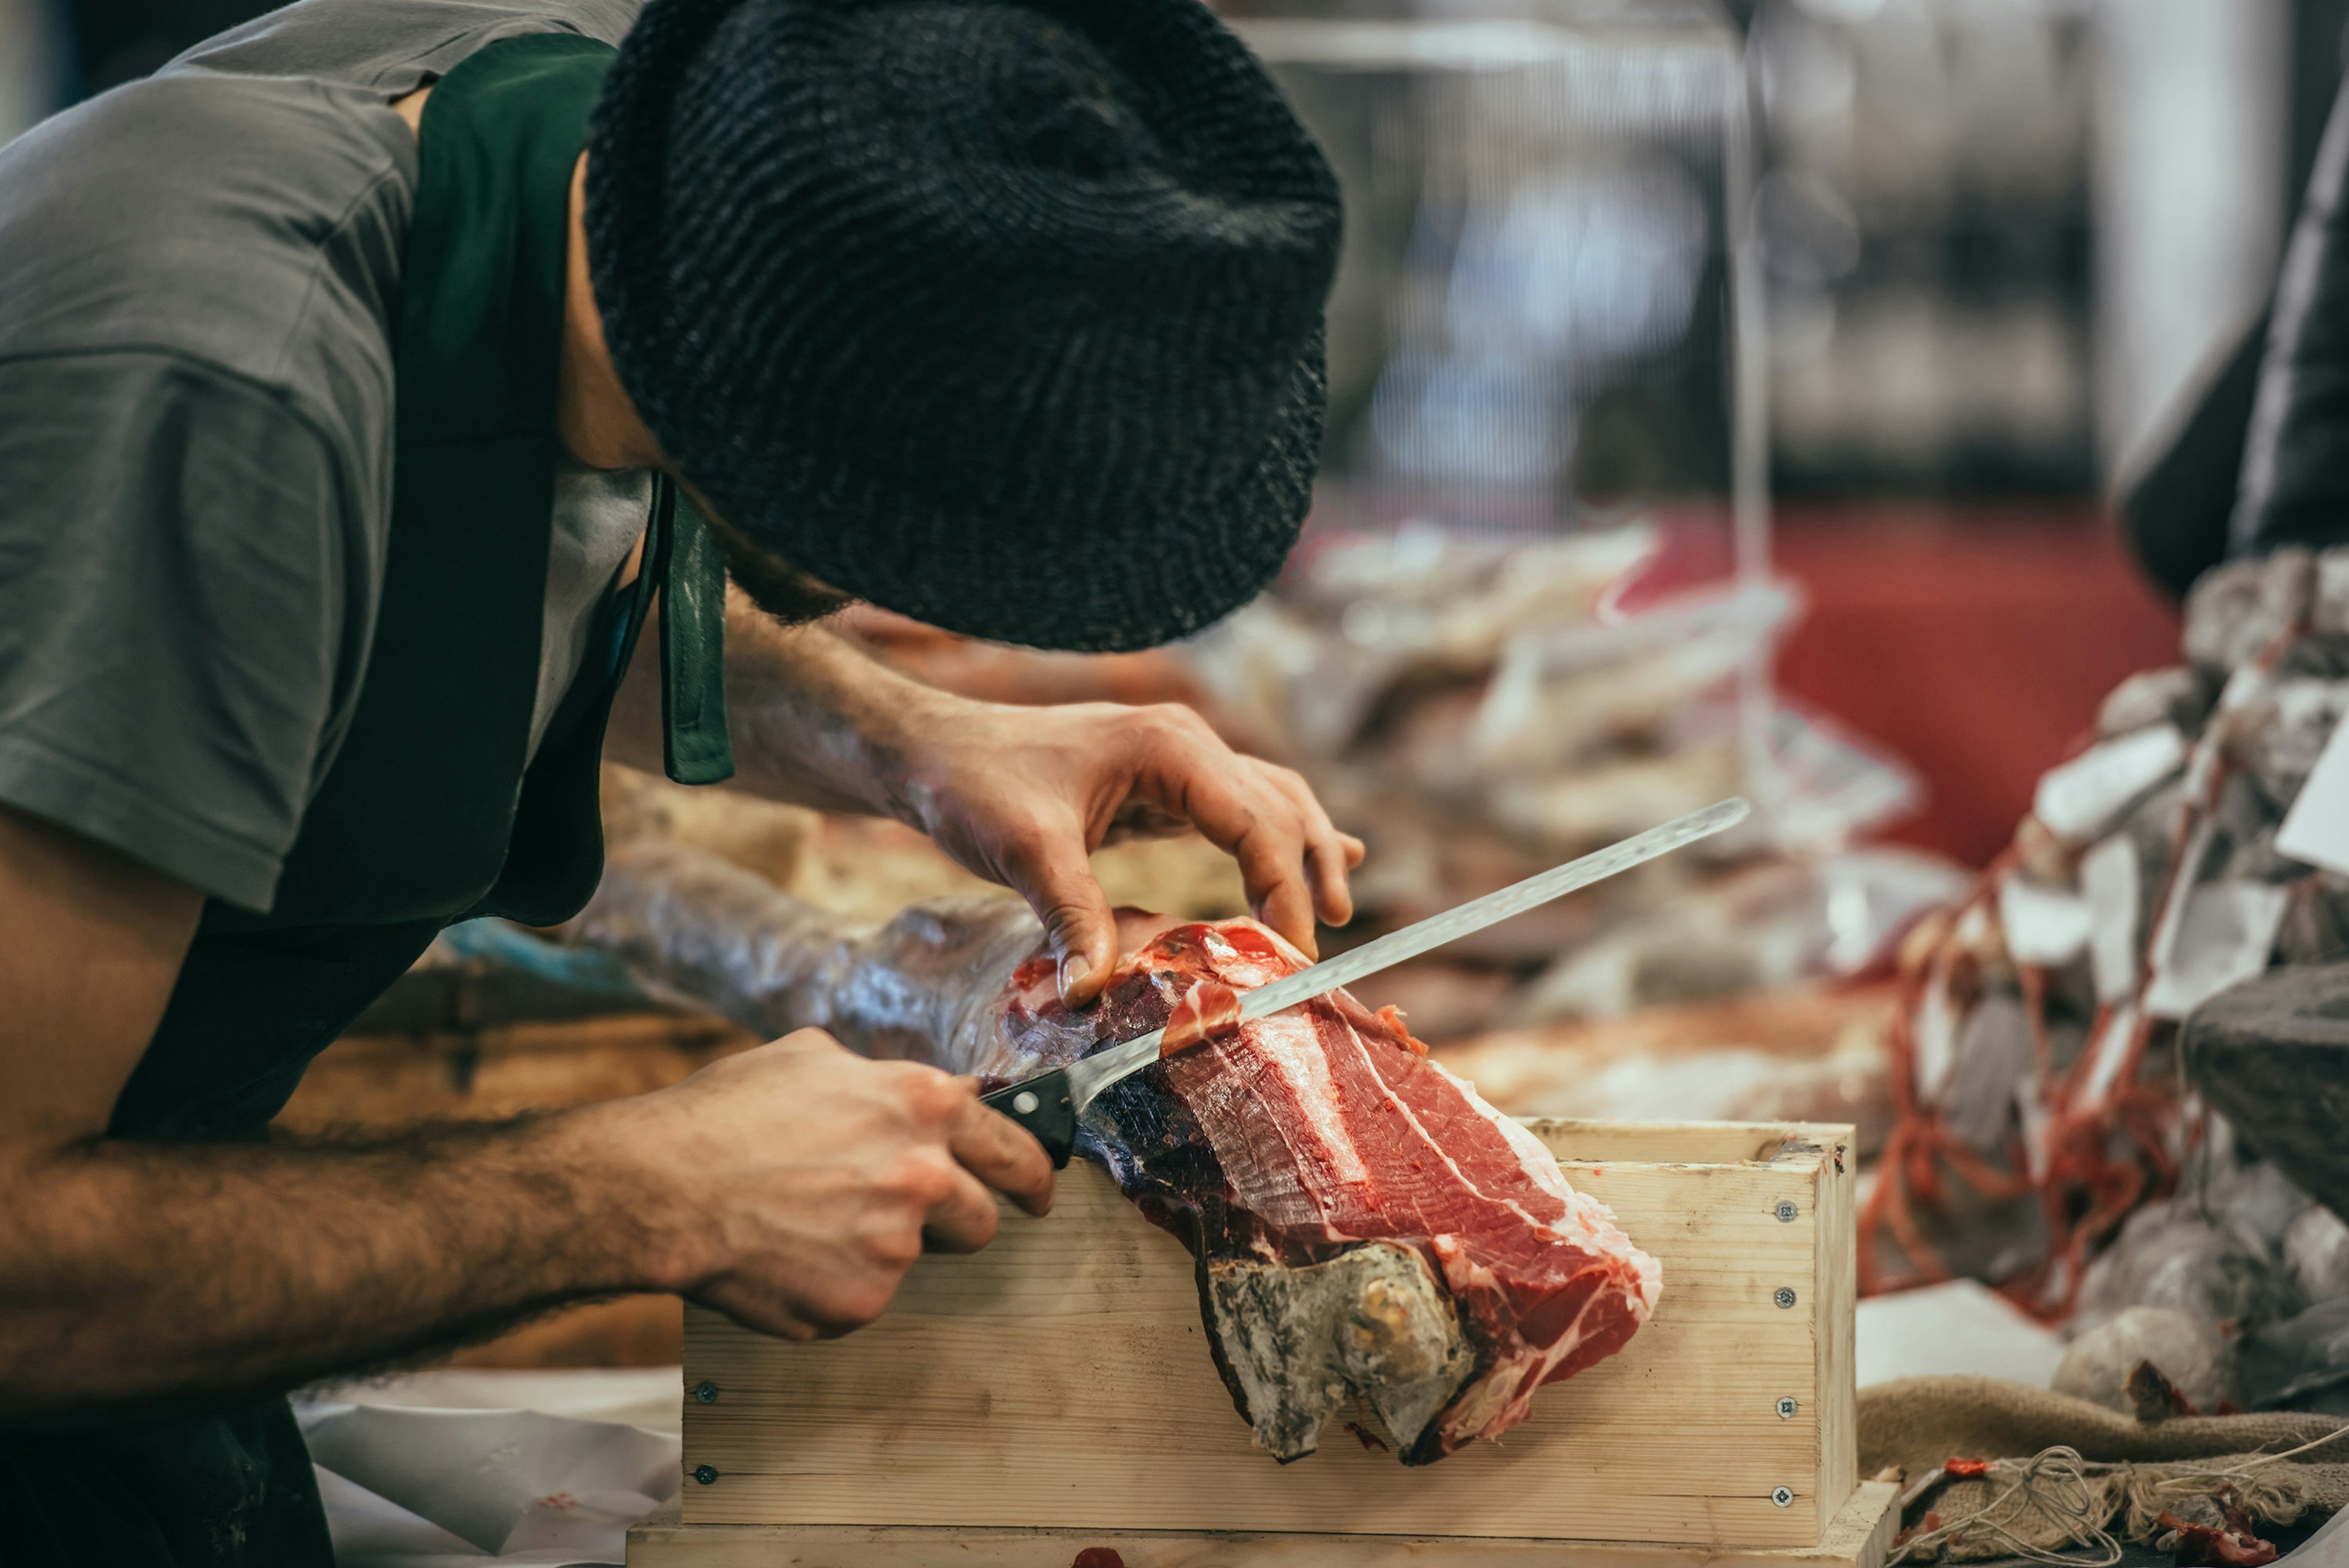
1363, 1223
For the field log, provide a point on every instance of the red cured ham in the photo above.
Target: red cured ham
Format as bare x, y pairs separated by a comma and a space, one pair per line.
1365, 1227
1295, 1140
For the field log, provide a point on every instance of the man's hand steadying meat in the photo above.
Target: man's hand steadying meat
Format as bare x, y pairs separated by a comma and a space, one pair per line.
1024, 795
1020, 795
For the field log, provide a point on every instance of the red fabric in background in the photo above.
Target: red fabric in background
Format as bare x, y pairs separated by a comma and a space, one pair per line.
1976, 642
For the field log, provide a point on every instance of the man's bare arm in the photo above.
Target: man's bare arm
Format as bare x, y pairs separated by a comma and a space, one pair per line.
1021, 795
815, 720
790, 1186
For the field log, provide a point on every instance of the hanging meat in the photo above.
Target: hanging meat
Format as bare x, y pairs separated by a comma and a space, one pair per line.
1364, 1225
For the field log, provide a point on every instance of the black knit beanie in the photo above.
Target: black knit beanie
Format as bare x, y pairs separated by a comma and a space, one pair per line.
1003, 314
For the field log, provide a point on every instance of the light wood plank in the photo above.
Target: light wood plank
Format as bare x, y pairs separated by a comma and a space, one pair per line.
1835, 1274
1682, 1142
1061, 1378
1859, 1536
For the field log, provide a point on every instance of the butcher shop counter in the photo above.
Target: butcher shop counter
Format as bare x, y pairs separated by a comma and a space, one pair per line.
1053, 1399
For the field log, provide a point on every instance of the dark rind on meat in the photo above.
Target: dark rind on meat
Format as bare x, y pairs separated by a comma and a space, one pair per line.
1375, 1322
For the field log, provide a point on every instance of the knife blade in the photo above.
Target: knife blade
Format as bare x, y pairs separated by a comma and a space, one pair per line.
1049, 1103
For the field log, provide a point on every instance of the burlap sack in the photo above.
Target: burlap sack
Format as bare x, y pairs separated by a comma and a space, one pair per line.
2131, 1472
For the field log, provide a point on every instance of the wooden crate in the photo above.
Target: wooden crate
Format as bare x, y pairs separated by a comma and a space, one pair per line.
1059, 1381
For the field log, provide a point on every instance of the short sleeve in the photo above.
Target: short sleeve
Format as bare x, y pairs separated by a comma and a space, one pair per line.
178, 636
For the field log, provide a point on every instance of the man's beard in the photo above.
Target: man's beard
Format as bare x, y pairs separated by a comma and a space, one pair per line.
790, 595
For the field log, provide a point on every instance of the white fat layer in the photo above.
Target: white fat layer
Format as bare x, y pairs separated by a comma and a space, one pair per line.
1305, 1181
1290, 1046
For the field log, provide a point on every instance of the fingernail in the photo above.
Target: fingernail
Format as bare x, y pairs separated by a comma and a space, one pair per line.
1073, 971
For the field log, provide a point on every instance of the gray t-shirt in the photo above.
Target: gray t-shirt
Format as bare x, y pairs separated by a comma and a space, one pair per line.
199, 284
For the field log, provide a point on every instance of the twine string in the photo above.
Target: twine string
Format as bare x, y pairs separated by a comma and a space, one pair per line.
2081, 1498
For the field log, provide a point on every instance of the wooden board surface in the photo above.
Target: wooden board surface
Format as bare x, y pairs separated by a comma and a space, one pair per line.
1062, 1380
1860, 1536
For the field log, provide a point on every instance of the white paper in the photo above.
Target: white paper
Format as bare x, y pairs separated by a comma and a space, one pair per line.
2108, 1050
2225, 935
2032, 1112
367, 1529
410, 1485
2046, 927
501, 1482
1958, 1329
1995, 1058
2315, 831
2109, 884
648, 1397
2079, 800
2328, 1548
1936, 1030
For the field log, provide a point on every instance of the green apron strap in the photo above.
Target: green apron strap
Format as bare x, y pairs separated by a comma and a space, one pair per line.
695, 746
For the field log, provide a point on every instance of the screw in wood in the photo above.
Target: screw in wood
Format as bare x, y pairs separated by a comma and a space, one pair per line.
1783, 1496
1786, 1409
1025, 1102
1787, 1211
1783, 1296
705, 1474
706, 1391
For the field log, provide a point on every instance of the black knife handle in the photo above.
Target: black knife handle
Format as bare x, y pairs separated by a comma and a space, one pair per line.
1043, 1105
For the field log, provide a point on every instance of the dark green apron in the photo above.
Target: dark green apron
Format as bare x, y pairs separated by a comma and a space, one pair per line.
428, 813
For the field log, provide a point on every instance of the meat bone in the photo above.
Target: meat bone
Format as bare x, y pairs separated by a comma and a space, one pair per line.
1049, 1103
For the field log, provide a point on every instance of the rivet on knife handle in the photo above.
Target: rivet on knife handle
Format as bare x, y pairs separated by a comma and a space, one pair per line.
1044, 1107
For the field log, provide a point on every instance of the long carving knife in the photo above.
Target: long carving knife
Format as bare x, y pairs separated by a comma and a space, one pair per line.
1049, 1103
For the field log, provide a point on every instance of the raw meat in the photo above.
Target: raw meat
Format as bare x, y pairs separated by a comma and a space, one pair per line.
1363, 1223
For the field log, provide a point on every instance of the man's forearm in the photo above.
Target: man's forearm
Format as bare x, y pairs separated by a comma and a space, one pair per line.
139, 1276
814, 718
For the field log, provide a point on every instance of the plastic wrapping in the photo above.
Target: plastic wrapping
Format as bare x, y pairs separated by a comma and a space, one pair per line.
2173, 1255
2237, 611
2302, 1362
2279, 750
2250, 1195
1812, 1054
2084, 799
1369, 617
1762, 928
921, 988
1733, 1084
1430, 687
2316, 1251
2188, 1353
2179, 696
